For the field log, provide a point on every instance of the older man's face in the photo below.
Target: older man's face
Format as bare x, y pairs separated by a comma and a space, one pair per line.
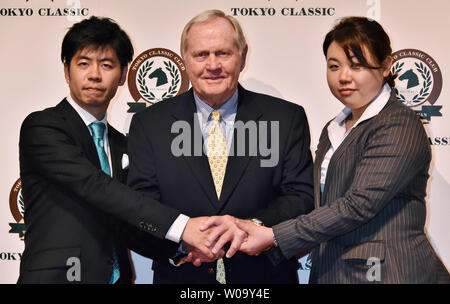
213, 61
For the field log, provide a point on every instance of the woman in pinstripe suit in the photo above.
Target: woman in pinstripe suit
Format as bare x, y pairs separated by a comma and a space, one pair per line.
370, 176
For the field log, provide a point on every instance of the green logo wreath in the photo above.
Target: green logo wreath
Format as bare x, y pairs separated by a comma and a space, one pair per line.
424, 92
143, 89
175, 74
142, 73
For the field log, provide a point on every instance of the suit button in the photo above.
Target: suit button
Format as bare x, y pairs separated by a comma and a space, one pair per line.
211, 271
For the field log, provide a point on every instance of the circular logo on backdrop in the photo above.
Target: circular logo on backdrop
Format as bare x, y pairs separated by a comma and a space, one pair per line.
155, 75
419, 81
17, 208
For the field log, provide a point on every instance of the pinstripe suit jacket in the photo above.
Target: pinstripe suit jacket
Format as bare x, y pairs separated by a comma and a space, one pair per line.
373, 206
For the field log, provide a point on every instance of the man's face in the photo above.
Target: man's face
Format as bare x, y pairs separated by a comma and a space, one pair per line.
93, 77
213, 61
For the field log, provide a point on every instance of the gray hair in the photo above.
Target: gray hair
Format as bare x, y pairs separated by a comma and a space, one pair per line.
211, 14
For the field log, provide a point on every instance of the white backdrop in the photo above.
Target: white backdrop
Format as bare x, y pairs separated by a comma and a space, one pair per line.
285, 60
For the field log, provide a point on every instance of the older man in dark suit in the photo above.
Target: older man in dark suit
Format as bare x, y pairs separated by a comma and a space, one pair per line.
220, 166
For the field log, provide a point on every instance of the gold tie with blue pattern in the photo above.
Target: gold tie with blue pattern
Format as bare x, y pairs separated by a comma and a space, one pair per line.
217, 158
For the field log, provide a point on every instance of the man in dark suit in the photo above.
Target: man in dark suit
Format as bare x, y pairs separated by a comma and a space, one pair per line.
72, 163
217, 164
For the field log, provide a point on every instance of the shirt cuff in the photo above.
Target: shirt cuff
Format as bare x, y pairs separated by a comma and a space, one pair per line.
177, 228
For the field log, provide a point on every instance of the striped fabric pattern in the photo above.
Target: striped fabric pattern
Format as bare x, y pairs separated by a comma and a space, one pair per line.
373, 205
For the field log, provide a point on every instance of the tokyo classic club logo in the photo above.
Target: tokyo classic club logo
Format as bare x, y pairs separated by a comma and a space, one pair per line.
17, 208
419, 82
155, 75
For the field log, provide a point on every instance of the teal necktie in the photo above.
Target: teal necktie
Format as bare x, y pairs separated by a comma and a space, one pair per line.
98, 131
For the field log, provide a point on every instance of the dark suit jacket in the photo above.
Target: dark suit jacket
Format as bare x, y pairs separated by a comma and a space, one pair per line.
272, 194
373, 205
73, 209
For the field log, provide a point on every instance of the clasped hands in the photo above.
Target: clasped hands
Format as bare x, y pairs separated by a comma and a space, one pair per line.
205, 237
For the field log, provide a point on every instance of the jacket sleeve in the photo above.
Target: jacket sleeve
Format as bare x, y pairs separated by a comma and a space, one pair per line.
142, 174
47, 148
394, 153
296, 194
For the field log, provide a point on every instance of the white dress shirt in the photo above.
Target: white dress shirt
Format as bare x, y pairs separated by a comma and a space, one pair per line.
88, 118
228, 114
337, 131
177, 228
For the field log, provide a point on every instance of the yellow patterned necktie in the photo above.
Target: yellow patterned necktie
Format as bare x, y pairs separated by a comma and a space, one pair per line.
217, 158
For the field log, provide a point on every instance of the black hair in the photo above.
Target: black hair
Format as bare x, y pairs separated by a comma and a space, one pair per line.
353, 32
97, 32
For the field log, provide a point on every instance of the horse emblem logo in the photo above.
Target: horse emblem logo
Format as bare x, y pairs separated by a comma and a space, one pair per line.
160, 76
412, 78
17, 208
419, 82
155, 75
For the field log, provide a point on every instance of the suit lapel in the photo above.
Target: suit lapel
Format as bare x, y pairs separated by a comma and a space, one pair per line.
78, 130
247, 110
116, 147
322, 148
356, 132
351, 137
236, 165
198, 164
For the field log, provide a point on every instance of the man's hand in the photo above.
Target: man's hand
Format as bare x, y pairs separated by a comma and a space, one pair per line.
194, 237
223, 229
259, 238
197, 258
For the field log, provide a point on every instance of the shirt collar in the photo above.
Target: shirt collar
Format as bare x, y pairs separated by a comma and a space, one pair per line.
226, 110
374, 107
87, 117
336, 129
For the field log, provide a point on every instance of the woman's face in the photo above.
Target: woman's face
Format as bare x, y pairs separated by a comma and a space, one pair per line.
354, 85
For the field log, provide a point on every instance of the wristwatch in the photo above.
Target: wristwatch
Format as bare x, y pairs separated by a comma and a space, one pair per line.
257, 222
275, 242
